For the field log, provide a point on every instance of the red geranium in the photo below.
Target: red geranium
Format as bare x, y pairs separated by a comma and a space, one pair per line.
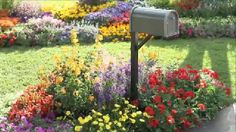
228, 91
187, 124
174, 112
153, 81
189, 94
153, 122
189, 111
135, 102
157, 99
150, 110
202, 107
170, 120
162, 108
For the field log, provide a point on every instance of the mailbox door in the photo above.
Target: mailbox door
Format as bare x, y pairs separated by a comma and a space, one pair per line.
172, 24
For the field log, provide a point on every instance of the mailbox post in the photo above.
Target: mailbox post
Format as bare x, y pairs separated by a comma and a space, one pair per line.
155, 22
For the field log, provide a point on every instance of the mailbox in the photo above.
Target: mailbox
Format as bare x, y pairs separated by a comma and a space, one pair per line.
156, 22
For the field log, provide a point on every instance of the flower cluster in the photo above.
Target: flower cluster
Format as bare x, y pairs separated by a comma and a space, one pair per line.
42, 31
117, 32
74, 11
26, 10
7, 22
188, 4
180, 98
121, 117
35, 101
107, 15
7, 39
24, 125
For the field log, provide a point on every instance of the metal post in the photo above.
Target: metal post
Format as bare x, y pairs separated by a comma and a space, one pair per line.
134, 66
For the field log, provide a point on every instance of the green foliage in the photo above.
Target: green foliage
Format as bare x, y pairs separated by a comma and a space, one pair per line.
159, 3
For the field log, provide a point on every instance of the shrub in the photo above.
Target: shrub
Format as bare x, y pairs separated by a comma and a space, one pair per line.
182, 98
87, 33
159, 3
107, 15
211, 27
26, 10
42, 31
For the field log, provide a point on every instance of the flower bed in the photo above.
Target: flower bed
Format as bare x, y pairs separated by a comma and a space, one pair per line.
91, 94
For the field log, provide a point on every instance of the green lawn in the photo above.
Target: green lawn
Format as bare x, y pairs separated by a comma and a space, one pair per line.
19, 65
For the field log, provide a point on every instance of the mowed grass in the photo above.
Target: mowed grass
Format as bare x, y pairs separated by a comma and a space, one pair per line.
20, 65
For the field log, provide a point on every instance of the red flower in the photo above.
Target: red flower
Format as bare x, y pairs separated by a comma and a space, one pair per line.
174, 112
170, 120
153, 122
4, 36
162, 108
202, 107
157, 99
180, 92
169, 103
228, 91
153, 81
150, 110
202, 84
189, 94
143, 90
11, 41
190, 32
189, 111
135, 102
186, 123
162, 89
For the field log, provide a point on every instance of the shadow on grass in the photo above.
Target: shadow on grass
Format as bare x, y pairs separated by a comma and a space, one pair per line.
216, 49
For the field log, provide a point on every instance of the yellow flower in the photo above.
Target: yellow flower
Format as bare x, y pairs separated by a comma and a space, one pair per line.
141, 120
132, 120
152, 55
117, 106
126, 102
101, 124
84, 120
77, 71
68, 113
100, 120
59, 79
138, 112
134, 115
76, 93
106, 118
78, 128
63, 90
108, 127
91, 98
118, 124
95, 122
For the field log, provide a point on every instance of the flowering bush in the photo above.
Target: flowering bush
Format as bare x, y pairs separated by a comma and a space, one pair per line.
117, 32
38, 125
213, 27
7, 39
87, 33
121, 117
35, 101
26, 10
42, 31
182, 98
109, 14
74, 11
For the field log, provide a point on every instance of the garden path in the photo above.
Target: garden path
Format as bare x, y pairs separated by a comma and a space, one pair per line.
225, 122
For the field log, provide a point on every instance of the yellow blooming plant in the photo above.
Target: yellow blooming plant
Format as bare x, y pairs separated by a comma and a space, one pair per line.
117, 32
121, 117
73, 10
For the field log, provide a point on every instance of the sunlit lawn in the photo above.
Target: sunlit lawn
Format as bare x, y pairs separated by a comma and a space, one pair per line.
19, 65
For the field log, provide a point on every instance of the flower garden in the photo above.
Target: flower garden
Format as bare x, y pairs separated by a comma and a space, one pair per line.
65, 66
